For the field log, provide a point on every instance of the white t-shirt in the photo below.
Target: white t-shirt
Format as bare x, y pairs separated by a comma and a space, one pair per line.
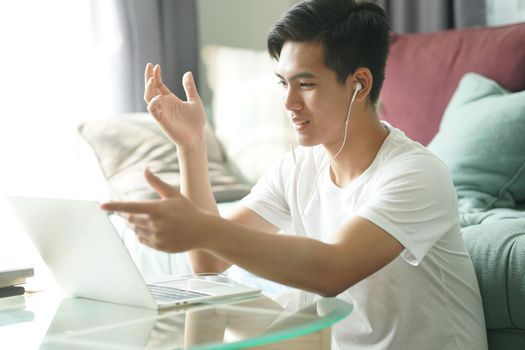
426, 298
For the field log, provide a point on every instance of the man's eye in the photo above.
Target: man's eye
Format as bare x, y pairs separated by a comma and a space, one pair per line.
282, 83
307, 85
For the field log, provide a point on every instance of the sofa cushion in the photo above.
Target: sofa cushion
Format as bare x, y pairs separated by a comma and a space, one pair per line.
497, 249
481, 139
124, 146
423, 71
506, 339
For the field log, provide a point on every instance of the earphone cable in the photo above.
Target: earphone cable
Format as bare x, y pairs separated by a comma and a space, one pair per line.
310, 196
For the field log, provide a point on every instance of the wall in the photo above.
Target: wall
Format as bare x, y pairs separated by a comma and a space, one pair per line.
500, 12
244, 23
236, 23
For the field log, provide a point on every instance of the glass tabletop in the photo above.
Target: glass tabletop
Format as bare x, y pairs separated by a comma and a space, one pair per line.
49, 322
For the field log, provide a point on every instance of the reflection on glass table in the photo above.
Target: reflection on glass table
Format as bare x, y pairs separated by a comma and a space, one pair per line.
245, 323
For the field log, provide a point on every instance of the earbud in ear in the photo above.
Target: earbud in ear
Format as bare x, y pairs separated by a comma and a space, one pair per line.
358, 87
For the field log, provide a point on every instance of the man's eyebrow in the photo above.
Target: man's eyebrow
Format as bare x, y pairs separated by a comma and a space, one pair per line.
300, 75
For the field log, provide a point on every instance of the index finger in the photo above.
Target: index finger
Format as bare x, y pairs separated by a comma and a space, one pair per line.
148, 73
129, 207
158, 80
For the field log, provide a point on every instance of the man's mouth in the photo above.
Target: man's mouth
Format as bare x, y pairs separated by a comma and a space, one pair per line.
300, 124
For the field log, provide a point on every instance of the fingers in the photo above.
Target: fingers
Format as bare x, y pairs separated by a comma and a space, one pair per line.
158, 81
162, 188
153, 85
150, 89
144, 228
189, 87
154, 107
139, 220
142, 225
130, 207
143, 237
148, 73
150, 86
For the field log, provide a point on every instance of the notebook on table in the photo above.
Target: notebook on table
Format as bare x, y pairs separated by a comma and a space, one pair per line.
78, 242
14, 273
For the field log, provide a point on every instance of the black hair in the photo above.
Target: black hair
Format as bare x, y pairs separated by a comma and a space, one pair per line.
354, 34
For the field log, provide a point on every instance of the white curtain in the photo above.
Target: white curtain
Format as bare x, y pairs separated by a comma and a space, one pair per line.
135, 32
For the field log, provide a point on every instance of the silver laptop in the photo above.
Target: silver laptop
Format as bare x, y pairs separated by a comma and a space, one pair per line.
78, 242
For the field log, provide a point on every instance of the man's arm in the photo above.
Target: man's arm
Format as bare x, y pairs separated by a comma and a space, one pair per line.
175, 224
360, 248
184, 123
195, 185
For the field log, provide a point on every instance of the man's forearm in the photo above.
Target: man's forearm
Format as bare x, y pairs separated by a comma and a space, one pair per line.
195, 181
196, 186
298, 262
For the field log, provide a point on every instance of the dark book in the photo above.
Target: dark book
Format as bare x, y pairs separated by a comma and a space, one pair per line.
11, 291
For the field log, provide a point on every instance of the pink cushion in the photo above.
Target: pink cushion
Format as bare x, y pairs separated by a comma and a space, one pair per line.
423, 71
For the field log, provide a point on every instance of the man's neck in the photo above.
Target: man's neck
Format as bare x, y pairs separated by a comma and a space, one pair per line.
366, 135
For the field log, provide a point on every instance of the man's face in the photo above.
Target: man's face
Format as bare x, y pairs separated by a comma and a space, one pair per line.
316, 102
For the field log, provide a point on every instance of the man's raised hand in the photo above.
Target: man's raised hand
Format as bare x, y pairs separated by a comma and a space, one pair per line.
182, 121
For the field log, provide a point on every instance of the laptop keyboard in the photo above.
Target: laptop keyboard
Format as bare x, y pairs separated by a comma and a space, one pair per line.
163, 293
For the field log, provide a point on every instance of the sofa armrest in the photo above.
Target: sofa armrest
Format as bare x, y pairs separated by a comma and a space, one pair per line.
497, 249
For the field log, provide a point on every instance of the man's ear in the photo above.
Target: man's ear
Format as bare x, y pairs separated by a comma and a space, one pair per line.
364, 77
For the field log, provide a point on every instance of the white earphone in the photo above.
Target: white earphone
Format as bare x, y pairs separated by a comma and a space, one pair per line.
358, 87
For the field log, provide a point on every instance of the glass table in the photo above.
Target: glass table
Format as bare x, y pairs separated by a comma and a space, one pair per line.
50, 321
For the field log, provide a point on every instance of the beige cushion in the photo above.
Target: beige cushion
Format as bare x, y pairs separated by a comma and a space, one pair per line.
125, 145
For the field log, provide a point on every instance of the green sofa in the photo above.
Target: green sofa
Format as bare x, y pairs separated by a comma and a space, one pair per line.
498, 252
461, 93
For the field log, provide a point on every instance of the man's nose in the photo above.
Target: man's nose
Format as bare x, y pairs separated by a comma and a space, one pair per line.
292, 100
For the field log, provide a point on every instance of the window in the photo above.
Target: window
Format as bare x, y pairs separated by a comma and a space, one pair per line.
52, 78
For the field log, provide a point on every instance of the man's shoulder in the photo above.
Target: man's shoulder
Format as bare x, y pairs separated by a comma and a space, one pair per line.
407, 163
401, 151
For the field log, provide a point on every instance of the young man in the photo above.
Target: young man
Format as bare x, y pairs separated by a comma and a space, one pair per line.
369, 215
